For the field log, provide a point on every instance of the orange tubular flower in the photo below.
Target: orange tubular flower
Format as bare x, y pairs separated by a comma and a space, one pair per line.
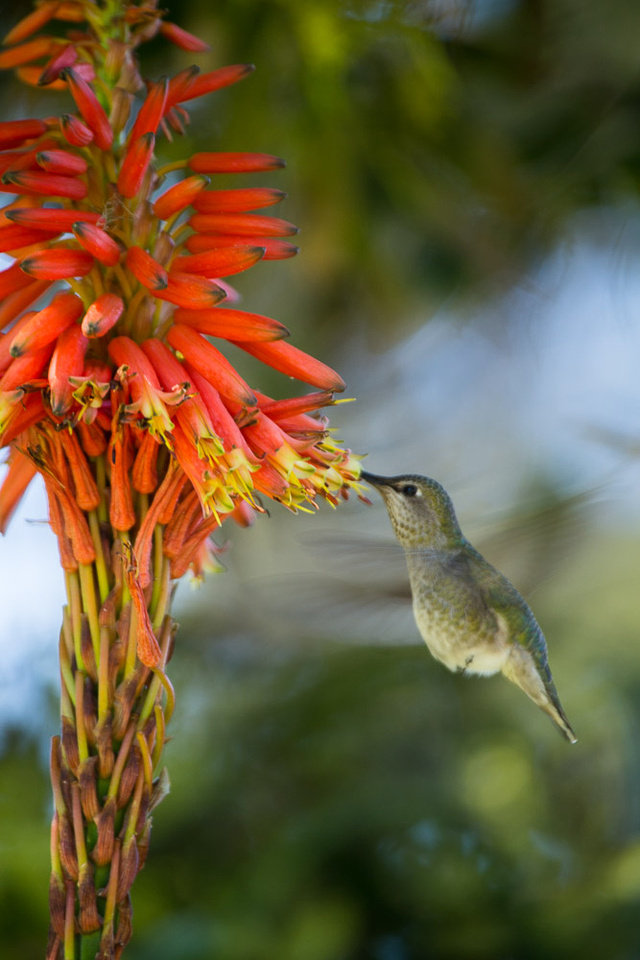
273, 249
209, 362
145, 269
47, 324
182, 38
146, 436
41, 183
180, 196
67, 361
135, 163
220, 263
90, 108
234, 162
102, 315
59, 263
242, 225
295, 363
238, 200
49, 219
13, 133
98, 243
231, 324
75, 132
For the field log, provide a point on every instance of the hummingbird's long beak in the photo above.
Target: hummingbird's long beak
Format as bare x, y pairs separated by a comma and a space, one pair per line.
374, 479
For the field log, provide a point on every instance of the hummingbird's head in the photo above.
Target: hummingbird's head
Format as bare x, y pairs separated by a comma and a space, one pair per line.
420, 509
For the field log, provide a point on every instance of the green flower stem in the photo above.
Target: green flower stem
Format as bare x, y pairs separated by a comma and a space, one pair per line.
101, 567
114, 712
87, 587
75, 607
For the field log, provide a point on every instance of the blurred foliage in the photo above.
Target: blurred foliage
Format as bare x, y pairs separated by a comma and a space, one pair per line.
434, 148
332, 803
340, 803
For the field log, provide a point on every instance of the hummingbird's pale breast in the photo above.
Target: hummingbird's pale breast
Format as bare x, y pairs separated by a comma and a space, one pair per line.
460, 632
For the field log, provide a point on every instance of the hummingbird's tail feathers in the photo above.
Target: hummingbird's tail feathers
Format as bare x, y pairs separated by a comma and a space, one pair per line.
522, 670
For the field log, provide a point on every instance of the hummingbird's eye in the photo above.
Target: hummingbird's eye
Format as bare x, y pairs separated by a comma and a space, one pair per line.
410, 490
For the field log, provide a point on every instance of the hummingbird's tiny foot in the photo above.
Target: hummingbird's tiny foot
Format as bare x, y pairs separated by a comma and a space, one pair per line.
467, 664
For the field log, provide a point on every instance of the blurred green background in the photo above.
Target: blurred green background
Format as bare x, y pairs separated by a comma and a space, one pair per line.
466, 178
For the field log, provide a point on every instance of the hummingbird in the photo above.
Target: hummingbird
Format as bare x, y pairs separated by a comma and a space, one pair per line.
470, 616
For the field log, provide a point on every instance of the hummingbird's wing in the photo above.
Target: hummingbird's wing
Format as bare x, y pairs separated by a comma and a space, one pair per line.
527, 665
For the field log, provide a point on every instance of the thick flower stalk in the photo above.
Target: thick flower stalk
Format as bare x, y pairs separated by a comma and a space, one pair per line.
113, 390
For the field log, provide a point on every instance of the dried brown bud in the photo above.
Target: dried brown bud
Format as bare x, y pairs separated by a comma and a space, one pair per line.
172, 642
143, 811
105, 750
88, 917
164, 247
106, 950
107, 617
130, 77
129, 777
57, 901
86, 647
103, 849
161, 788
70, 745
54, 945
123, 704
68, 857
123, 933
120, 109
117, 655
114, 60
88, 777
128, 868
144, 839
90, 710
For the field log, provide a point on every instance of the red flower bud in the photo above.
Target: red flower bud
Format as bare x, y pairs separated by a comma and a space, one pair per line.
24, 369
234, 162
15, 132
102, 315
237, 200
209, 362
51, 220
146, 270
135, 164
90, 108
187, 290
214, 80
61, 161
65, 57
32, 22
182, 38
178, 197
223, 262
77, 133
242, 224
293, 362
14, 237
232, 324
27, 52
67, 361
99, 244
12, 279
59, 263
151, 111
274, 249
37, 183
47, 324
